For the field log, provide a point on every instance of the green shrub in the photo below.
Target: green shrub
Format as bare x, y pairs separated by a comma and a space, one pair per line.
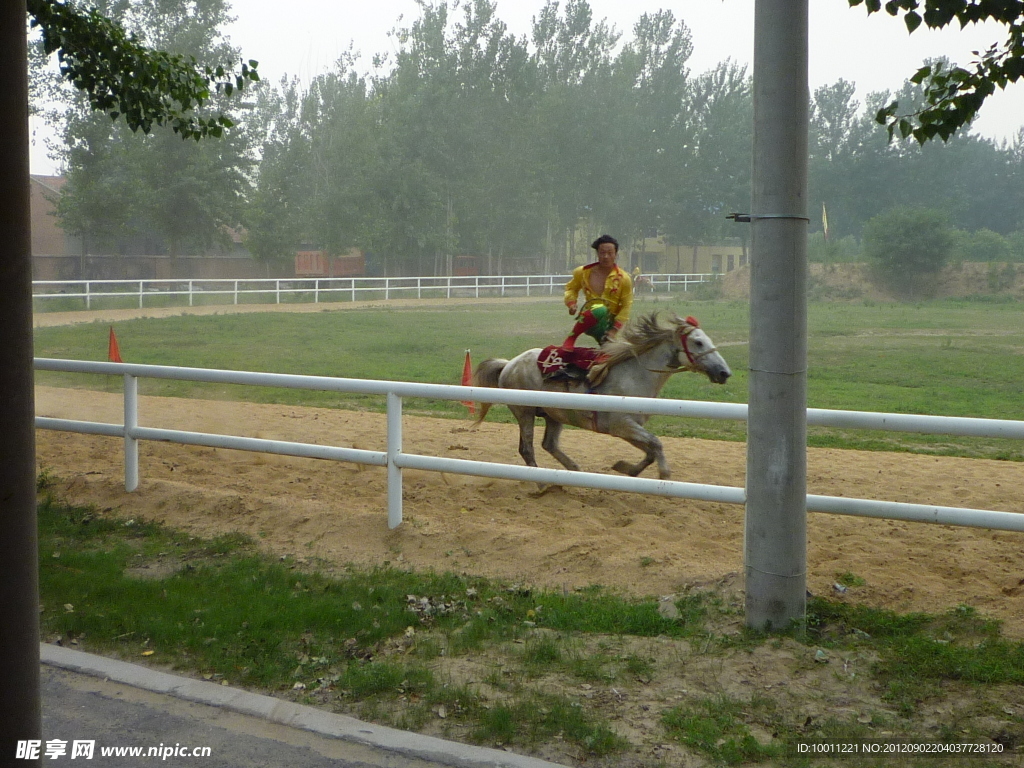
907, 247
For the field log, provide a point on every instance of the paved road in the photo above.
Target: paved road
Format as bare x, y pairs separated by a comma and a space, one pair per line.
114, 704
114, 715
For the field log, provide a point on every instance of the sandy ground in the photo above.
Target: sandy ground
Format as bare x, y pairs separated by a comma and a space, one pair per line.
566, 537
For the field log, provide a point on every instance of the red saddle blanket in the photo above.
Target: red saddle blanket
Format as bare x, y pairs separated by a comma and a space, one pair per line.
554, 360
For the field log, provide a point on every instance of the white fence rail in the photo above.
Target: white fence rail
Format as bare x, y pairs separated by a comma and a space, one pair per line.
394, 459
315, 290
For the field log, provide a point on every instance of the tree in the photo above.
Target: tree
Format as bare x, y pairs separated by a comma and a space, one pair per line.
907, 247
274, 217
182, 196
573, 59
645, 128
973, 180
953, 95
712, 156
847, 155
124, 78
164, 91
341, 119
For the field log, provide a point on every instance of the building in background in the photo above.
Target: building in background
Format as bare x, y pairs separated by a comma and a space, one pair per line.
309, 263
48, 239
657, 256
56, 255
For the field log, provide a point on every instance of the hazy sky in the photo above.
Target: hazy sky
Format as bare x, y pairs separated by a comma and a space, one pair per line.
304, 38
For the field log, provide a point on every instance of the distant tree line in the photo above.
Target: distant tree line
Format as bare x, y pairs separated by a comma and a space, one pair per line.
470, 140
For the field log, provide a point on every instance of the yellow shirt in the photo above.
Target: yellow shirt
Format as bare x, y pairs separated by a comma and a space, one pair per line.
617, 295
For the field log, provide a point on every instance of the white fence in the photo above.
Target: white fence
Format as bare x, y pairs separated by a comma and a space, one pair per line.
395, 460
315, 290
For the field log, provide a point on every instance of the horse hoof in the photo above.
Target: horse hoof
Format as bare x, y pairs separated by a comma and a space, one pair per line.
624, 467
543, 489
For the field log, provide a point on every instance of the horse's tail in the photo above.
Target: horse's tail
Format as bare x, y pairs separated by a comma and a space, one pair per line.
486, 375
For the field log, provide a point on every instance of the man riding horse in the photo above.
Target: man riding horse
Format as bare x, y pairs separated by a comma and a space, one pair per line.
607, 292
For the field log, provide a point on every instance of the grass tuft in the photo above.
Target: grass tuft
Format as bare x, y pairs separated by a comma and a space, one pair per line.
718, 727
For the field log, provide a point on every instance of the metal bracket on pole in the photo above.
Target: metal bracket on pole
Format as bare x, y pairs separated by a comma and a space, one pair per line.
746, 218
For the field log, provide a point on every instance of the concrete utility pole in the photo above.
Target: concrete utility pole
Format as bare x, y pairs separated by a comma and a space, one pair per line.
775, 539
20, 717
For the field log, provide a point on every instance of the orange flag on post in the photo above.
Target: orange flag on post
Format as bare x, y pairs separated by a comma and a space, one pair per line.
113, 353
467, 381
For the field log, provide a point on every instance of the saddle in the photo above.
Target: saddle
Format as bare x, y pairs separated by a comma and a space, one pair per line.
571, 365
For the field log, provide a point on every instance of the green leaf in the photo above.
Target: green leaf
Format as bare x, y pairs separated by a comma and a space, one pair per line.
920, 75
117, 73
912, 20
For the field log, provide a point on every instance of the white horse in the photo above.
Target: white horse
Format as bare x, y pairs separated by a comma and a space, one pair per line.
638, 364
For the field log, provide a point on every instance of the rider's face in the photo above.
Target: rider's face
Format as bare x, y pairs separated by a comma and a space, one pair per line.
606, 255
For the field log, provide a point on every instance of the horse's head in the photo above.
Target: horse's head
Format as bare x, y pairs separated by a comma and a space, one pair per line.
698, 353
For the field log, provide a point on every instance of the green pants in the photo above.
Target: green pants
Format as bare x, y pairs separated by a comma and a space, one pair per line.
596, 321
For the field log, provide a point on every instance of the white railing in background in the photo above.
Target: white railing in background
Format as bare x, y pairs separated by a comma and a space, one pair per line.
394, 459
315, 290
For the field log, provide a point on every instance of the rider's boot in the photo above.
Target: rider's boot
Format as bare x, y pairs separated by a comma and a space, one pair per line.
584, 324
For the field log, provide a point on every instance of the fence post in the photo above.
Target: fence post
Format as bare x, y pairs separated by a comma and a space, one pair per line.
88, 299
140, 294
131, 422
235, 294
190, 293
277, 291
394, 419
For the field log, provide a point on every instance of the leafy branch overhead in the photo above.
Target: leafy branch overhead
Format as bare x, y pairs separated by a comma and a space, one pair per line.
122, 77
954, 95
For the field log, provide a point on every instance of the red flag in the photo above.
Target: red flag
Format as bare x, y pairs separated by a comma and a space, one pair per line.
113, 353
467, 381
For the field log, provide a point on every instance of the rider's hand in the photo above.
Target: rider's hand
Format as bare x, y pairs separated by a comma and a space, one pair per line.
572, 308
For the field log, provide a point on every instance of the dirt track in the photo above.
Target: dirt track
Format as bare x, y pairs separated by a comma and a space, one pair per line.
319, 510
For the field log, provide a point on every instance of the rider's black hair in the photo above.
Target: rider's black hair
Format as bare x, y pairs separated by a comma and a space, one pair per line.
605, 239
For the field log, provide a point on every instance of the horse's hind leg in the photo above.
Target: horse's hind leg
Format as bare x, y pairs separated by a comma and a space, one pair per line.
552, 431
639, 437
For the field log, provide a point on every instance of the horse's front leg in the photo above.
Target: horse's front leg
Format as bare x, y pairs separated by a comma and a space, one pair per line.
626, 428
552, 431
525, 417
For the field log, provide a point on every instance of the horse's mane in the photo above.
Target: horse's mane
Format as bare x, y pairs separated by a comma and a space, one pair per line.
640, 335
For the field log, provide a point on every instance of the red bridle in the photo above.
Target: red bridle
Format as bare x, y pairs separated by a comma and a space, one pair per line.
685, 330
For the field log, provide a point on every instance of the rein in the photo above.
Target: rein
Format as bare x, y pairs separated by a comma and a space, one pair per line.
646, 339
684, 333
